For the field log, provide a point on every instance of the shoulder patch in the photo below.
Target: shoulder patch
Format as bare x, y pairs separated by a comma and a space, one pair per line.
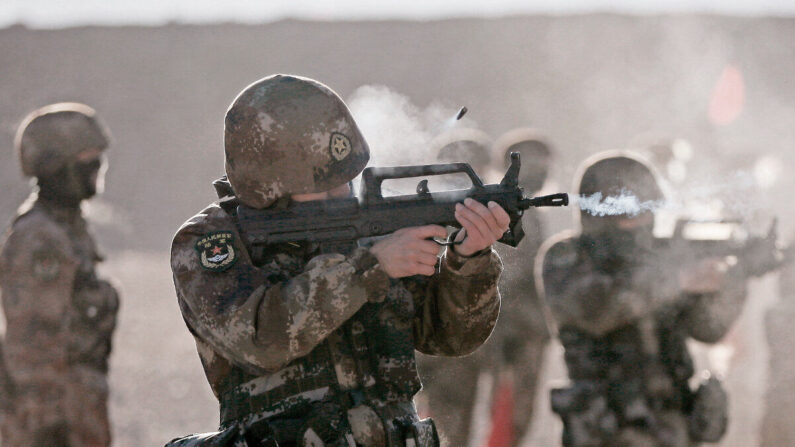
340, 146
46, 265
217, 250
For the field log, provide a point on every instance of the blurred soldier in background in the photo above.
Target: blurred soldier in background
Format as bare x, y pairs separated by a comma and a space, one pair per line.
777, 427
517, 345
624, 311
449, 384
309, 348
464, 145
511, 360
60, 315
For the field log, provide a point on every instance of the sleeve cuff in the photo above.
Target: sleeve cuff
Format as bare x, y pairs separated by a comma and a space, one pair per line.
469, 265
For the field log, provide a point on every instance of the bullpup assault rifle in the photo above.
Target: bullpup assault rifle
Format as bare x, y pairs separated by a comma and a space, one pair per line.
335, 223
694, 240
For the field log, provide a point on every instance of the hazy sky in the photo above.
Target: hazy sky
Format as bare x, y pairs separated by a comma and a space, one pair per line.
59, 13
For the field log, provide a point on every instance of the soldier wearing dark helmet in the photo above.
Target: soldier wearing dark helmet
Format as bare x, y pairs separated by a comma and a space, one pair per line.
536, 154
624, 312
513, 353
304, 347
517, 345
60, 315
464, 145
448, 384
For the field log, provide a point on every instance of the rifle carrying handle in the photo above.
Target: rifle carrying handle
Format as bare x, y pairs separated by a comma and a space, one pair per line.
372, 178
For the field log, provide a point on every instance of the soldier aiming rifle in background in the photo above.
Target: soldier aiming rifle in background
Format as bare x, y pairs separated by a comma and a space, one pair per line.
625, 304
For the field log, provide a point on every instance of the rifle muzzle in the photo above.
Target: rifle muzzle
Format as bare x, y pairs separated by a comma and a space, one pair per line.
559, 199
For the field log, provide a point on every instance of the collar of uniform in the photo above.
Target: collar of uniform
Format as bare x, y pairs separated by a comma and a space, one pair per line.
63, 213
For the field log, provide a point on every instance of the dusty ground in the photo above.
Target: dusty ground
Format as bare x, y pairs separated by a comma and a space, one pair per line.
158, 387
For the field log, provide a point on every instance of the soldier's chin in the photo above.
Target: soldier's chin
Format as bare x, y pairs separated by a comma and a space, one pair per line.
90, 191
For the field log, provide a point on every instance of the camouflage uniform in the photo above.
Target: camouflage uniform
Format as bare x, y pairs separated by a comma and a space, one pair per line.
308, 348
60, 318
624, 321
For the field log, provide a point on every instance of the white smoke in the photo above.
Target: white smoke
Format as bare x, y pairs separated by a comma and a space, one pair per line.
625, 203
104, 214
398, 131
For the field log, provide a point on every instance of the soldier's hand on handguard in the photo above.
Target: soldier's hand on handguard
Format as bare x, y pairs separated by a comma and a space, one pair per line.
481, 225
409, 251
707, 276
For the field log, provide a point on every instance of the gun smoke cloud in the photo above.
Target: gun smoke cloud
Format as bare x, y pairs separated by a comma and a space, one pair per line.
624, 204
398, 131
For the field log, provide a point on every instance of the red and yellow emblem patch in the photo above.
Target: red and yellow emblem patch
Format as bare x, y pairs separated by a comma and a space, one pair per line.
217, 250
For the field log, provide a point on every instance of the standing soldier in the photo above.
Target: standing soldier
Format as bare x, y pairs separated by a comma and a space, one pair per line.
464, 145
60, 316
511, 359
517, 345
448, 384
624, 312
304, 348
777, 428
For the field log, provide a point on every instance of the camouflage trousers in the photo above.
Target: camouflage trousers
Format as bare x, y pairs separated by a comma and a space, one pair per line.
72, 414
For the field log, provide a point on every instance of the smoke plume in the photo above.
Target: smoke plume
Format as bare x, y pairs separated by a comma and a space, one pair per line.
399, 132
624, 204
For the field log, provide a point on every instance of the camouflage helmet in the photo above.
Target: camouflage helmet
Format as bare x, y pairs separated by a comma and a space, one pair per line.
288, 135
52, 135
614, 172
535, 166
465, 145
518, 140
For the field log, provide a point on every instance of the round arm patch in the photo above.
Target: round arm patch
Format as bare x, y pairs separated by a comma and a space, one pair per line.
216, 250
46, 265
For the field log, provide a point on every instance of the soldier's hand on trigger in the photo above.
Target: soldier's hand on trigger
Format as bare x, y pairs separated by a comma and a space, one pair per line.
481, 225
706, 276
409, 251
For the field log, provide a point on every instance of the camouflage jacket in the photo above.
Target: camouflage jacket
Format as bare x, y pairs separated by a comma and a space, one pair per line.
624, 329
59, 314
589, 293
301, 328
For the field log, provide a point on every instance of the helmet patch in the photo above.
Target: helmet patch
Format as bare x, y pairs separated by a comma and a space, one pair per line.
340, 146
216, 251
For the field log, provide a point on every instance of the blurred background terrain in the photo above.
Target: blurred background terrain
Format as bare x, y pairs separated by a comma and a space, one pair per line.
590, 82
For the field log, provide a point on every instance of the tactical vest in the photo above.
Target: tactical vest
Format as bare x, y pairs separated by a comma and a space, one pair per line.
367, 362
